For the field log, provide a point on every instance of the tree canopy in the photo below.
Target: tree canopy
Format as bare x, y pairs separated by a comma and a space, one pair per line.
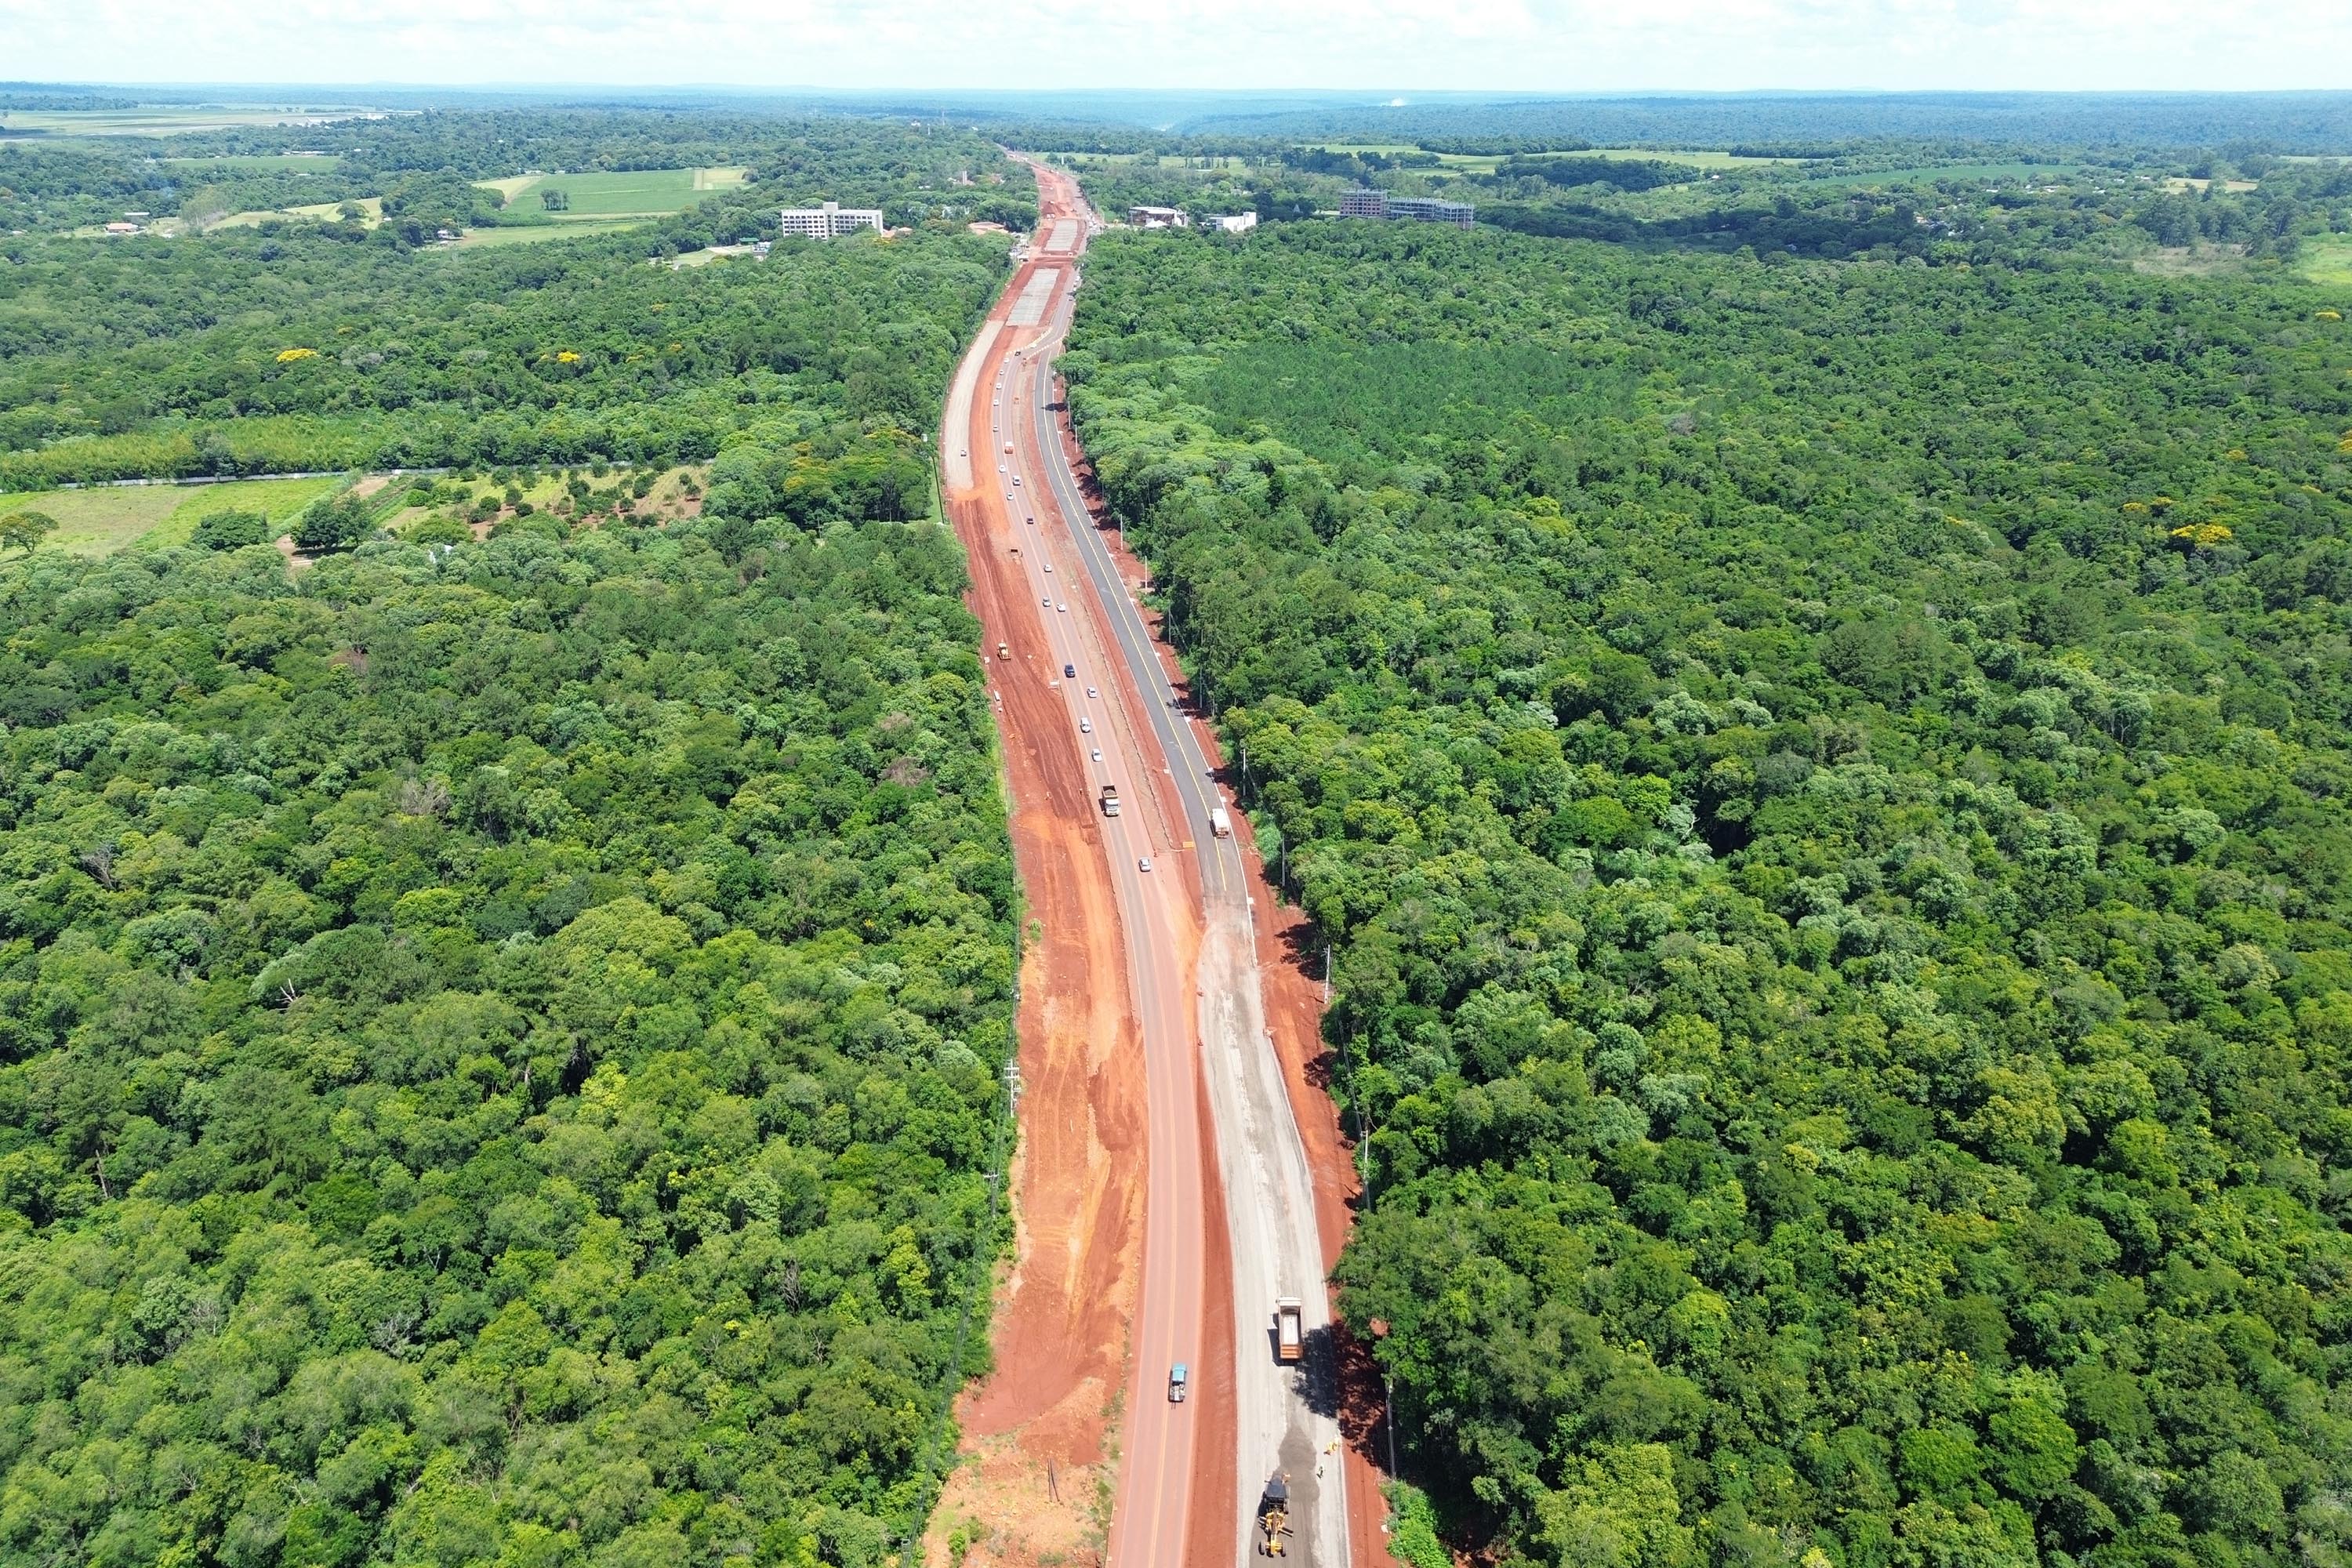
1827, 785
500, 1047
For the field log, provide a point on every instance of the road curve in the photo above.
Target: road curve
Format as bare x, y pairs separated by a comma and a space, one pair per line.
1287, 1418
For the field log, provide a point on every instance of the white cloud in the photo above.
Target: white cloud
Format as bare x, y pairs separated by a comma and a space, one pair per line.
1519, 44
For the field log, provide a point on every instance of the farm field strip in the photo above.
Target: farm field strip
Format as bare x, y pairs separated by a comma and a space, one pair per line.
633, 193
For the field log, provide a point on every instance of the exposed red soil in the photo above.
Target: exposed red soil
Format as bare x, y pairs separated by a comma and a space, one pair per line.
1038, 1445
1060, 1328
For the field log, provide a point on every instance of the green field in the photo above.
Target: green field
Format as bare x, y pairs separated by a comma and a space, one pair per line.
631, 193
167, 120
2327, 259
104, 519
265, 162
476, 238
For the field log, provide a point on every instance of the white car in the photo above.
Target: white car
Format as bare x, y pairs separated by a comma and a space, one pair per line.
1144, 864
1061, 609
1097, 752
1090, 691
1016, 478
1048, 601
1049, 566
1085, 726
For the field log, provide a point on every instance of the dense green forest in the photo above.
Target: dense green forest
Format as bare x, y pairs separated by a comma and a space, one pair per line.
1827, 781
500, 1040
325, 345
500, 1049
189, 357
1892, 197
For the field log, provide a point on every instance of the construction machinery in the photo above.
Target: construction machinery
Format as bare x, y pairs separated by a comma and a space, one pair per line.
1289, 1334
1273, 1517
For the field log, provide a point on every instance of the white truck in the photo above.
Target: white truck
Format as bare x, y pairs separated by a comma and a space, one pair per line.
1289, 1335
1219, 823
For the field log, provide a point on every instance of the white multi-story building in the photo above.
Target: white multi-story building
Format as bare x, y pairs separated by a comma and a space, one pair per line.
829, 220
1233, 222
1159, 217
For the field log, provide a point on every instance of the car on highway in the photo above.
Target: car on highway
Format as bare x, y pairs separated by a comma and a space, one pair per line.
1179, 1376
1144, 864
1098, 754
1016, 478
1090, 691
1085, 726
1048, 601
1062, 609
1070, 671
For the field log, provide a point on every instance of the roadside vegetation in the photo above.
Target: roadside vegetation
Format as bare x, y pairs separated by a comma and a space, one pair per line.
1826, 781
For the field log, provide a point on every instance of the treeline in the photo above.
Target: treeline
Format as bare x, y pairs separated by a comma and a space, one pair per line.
500, 1049
1827, 786
424, 166
1810, 124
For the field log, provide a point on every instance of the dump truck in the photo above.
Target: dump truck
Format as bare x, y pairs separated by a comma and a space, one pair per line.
1290, 1336
1274, 1516
1219, 823
1111, 800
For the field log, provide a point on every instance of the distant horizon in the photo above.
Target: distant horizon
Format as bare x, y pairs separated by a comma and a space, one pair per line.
1521, 48
1364, 97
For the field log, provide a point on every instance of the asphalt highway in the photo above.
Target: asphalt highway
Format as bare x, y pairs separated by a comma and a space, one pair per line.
1191, 963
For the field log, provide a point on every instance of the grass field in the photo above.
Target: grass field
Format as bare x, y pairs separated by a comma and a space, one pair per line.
100, 520
2327, 259
633, 193
476, 238
265, 162
169, 120
370, 212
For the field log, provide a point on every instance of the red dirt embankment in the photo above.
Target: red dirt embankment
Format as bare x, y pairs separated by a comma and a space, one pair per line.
1036, 1465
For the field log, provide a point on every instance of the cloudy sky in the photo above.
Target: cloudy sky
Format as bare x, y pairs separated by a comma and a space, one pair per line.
1570, 46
